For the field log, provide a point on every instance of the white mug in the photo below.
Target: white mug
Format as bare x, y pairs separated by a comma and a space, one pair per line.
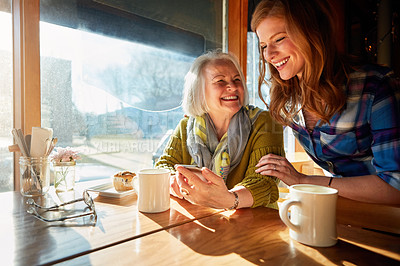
153, 190
313, 214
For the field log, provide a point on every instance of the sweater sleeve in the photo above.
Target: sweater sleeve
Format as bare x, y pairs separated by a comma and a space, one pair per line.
263, 188
175, 151
267, 137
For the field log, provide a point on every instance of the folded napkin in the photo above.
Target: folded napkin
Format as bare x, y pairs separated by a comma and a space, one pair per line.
40, 142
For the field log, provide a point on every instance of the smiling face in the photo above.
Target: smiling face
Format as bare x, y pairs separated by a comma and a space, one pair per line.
278, 49
224, 90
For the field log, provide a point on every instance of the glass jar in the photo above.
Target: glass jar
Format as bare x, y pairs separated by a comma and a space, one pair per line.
64, 175
34, 176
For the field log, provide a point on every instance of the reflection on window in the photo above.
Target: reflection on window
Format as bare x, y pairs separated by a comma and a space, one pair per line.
6, 98
253, 57
111, 82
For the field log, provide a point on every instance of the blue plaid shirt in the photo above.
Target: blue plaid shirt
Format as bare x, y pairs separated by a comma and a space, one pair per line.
365, 138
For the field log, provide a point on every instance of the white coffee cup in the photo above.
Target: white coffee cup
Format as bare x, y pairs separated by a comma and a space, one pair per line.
313, 214
153, 190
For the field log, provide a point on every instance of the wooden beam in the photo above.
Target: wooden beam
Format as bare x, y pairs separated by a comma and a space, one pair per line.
26, 64
237, 30
26, 61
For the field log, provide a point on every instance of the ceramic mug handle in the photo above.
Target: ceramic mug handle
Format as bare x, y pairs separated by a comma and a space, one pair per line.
284, 211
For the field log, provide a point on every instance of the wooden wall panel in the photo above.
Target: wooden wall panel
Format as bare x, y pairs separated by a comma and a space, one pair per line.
26, 62
237, 30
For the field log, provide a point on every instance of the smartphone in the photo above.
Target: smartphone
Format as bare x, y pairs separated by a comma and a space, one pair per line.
189, 166
195, 169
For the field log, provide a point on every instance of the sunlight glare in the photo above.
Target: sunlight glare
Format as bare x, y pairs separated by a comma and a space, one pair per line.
205, 227
6, 31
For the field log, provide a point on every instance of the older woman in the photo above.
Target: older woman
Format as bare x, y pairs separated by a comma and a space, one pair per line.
223, 135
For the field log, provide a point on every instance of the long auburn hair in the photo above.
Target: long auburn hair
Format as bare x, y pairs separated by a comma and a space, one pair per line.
310, 25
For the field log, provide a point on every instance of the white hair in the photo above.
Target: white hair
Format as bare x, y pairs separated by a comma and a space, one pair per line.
194, 99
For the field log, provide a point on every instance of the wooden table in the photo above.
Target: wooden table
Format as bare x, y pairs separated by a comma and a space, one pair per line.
26, 240
186, 234
245, 237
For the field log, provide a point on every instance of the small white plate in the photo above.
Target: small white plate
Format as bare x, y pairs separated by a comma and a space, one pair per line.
108, 190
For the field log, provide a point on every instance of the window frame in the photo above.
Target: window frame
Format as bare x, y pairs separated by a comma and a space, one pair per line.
26, 60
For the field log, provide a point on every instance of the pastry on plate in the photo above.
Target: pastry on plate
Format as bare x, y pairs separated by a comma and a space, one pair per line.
123, 180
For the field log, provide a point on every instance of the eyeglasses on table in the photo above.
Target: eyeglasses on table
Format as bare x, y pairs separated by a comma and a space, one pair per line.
86, 198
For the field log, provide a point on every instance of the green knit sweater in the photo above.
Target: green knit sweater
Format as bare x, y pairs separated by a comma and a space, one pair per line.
266, 137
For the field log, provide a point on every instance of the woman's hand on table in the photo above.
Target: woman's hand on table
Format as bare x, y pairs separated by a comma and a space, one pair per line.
280, 167
212, 193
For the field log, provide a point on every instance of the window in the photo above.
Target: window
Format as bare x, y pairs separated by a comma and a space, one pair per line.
112, 74
6, 99
253, 57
